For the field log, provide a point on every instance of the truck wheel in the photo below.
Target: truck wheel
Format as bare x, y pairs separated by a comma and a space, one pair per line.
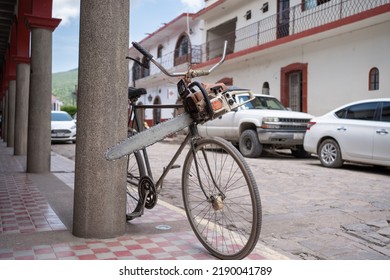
249, 144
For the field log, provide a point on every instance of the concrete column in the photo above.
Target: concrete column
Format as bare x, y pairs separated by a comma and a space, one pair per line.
21, 108
100, 185
11, 113
39, 118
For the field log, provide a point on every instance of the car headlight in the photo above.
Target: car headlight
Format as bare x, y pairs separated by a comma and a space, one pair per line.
270, 119
270, 122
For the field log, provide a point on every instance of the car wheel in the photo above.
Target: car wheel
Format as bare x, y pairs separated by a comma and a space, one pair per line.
299, 152
249, 144
330, 154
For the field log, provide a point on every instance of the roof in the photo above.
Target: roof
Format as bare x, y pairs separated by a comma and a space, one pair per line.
7, 14
154, 39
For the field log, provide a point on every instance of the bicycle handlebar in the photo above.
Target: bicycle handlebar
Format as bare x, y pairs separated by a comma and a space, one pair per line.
189, 73
142, 50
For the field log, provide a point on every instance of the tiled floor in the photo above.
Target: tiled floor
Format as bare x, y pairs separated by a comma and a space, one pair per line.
165, 246
23, 208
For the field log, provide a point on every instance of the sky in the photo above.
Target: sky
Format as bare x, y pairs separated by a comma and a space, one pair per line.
146, 16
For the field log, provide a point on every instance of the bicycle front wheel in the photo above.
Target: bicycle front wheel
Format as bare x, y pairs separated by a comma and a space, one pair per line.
221, 199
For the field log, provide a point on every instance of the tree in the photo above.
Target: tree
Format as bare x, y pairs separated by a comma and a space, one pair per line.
70, 109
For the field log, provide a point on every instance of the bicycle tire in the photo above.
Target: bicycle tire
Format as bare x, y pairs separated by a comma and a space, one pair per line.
228, 227
135, 171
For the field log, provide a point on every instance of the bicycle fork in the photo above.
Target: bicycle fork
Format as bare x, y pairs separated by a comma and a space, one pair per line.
215, 200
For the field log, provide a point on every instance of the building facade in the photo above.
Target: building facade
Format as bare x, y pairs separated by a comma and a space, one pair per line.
314, 55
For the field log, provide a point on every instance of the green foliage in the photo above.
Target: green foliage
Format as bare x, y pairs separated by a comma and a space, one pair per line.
64, 86
70, 109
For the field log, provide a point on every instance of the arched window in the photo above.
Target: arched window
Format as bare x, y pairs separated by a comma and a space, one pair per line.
157, 111
182, 50
159, 51
265, 89
145, 70
373, 79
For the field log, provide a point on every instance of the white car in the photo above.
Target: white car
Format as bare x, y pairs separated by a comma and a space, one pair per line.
263, 123
63, 127
356, 132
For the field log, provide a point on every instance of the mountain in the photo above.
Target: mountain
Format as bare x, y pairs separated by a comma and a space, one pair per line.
63, 86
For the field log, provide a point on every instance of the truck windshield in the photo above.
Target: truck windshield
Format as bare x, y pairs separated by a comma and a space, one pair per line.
261, 102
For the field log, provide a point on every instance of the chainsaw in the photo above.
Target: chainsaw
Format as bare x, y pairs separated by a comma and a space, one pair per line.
202, 102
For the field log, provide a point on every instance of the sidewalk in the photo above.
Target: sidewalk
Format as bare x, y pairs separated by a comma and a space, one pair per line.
36, 212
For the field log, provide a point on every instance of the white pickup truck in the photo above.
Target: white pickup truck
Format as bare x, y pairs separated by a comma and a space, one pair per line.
263, 123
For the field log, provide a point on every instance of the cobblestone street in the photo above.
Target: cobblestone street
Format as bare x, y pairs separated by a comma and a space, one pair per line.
309, 212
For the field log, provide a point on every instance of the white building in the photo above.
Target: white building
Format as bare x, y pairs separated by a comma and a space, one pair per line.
313, 55
55, 103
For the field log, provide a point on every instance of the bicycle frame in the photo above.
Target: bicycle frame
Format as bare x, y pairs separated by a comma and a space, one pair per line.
134, 118
193, 133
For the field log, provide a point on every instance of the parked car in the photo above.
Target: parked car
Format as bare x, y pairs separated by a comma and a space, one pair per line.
263, 123
63, 127
356, 132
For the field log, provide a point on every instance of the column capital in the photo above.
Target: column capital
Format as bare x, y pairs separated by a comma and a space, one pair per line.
21, 59
40, 22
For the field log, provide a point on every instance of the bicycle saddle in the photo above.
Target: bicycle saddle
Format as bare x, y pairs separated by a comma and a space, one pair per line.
136, 92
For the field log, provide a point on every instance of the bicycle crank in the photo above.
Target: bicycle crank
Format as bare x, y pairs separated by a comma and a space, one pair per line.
147, 192
148, 137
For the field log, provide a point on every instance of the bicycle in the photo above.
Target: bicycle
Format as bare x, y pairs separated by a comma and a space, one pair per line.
220, 194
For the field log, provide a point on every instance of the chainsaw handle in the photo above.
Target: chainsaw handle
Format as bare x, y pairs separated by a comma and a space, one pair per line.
209, 109
189, 73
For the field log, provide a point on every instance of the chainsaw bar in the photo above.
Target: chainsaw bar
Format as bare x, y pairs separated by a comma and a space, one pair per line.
148, 137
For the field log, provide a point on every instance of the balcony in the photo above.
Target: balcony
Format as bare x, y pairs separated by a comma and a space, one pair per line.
292, 21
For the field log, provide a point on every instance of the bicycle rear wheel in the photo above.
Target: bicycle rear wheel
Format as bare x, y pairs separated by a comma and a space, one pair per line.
135, 171
221, 199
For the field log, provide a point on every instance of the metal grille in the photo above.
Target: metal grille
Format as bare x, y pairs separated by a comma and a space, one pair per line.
65, 131
293, 124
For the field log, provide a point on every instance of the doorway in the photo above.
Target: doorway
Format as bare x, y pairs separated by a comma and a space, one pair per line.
295, 90
293, 86
156, 111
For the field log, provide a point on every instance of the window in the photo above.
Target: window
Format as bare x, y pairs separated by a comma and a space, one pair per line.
159, 51
182, 50
309, 4
136, 71
385, 116
145, 70
364, 111
248, 15
373, 83
265, 89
